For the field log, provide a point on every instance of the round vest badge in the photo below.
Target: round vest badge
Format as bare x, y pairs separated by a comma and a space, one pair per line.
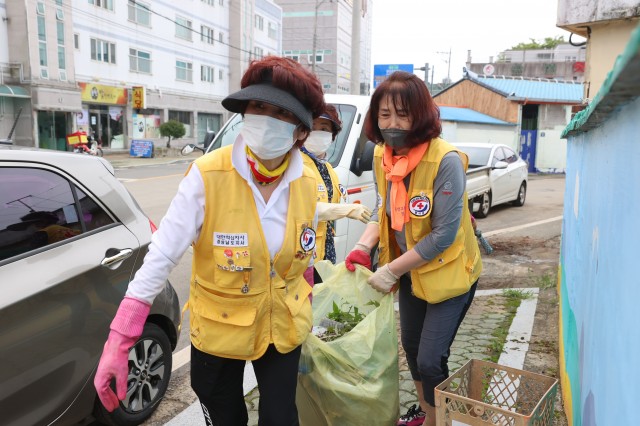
419, 205
308, 239
343, 190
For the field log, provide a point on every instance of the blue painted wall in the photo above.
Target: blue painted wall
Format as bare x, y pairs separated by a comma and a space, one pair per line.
600, 279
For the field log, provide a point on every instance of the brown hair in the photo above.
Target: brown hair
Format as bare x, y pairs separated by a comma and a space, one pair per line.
336, 123
409, 93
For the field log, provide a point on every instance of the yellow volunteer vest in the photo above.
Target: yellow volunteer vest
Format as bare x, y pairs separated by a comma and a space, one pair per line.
240, 299
323, 195
453, 271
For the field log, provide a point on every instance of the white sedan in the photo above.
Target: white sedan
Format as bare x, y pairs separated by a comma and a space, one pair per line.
508, 176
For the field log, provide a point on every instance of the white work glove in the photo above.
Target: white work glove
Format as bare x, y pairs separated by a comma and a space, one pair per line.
383, 279
333, 211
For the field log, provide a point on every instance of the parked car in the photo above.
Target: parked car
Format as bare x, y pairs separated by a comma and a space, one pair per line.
71, 240
351, 156
508, 177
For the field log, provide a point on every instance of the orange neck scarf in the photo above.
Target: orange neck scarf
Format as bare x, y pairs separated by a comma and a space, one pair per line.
397, 167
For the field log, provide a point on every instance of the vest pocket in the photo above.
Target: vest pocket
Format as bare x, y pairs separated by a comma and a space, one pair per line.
224, 326
299, 306
230, 263
446, 276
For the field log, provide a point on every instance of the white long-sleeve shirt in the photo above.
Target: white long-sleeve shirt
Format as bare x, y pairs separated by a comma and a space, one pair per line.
181, 225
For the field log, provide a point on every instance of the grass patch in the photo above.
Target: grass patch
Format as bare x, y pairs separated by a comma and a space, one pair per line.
546, 281
513, 298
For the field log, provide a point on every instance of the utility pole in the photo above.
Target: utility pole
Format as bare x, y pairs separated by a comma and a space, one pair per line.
356, 10
449, 65
426, 73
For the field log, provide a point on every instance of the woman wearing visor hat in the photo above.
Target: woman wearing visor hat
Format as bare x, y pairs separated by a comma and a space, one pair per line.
314, 154
249, 212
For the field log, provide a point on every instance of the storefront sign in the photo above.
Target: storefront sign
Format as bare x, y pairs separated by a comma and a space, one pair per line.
97, 93
141, 148
138, 97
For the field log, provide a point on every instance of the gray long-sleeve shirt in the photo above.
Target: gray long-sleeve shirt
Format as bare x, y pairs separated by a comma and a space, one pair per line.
448, 190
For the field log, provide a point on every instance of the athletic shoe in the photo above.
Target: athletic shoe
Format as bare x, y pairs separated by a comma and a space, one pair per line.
413, 417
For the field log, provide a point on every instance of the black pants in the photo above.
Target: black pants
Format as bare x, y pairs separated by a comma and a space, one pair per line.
218, 384
427, 332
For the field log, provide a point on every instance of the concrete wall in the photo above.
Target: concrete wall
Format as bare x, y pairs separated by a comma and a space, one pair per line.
599, 336
453, 131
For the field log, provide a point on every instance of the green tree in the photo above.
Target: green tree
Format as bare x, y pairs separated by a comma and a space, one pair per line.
172, 129
548, 43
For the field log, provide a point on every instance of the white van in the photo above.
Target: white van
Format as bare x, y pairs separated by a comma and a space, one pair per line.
351, 155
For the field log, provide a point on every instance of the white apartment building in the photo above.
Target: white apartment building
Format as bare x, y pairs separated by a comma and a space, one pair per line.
75, 63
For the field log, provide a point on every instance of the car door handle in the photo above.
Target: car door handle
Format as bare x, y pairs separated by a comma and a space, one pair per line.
118, 257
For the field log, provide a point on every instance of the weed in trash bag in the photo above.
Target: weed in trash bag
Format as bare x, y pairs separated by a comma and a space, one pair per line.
340, 322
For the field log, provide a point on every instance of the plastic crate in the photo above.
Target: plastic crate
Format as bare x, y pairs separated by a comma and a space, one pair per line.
485, 393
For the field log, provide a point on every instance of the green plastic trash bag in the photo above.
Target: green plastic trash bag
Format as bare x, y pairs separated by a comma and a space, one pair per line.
352, 380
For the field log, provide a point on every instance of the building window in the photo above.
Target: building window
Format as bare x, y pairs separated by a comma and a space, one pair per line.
42, 39
183, 28
259, 22
294, 57
207, 34
549, 69
184, 71
60, 32
258, 52
319, 58
545, 56
62, 62
206, 73
209, 2
272, 30
139, 61
105, 4
139, 13
76, 41
221, 2
183, 117
103, 51
220, 75
220, 36
59, 14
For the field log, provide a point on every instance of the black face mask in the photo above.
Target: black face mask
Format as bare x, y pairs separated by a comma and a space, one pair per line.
395, 138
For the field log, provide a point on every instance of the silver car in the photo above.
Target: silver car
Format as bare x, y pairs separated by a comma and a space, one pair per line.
71, 240
508, 182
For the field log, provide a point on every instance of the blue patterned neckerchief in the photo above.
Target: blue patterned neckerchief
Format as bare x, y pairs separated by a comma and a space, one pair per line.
329, 246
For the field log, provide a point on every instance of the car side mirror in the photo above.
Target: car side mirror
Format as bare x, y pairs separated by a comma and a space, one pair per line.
500, 165
189, 148
363, 162
208, 138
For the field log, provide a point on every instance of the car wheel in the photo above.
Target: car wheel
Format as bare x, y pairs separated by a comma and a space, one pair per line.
150, 361
485, 205
522, 195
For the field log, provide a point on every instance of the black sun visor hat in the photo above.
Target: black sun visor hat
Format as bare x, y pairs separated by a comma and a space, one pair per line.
265, 92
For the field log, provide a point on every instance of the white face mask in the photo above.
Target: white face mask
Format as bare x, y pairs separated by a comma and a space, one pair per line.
267, 137
318, 142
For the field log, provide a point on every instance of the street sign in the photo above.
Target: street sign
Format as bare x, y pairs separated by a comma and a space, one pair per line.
381, 72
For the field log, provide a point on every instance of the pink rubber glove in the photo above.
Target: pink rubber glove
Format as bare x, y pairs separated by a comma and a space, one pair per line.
360, 255
126, 328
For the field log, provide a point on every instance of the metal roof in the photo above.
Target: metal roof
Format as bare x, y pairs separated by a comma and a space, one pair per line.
532, 90
13, 91
469, 116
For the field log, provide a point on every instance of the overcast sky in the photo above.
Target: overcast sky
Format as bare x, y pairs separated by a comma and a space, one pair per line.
414, 31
